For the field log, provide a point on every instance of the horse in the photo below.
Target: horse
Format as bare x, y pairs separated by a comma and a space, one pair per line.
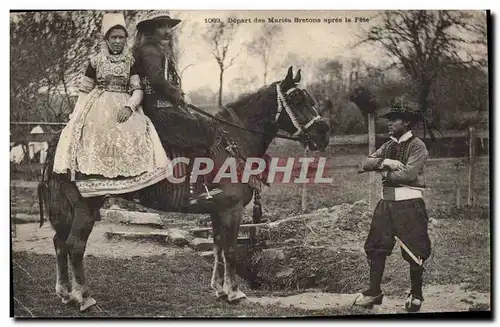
253, 121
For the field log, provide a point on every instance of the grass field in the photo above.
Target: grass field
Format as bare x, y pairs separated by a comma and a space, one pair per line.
179, 285
144, 287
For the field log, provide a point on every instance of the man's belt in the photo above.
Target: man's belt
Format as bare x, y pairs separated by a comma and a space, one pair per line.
401, 193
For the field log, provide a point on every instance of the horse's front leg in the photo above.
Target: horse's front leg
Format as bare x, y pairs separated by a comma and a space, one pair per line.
230, 222
217, 282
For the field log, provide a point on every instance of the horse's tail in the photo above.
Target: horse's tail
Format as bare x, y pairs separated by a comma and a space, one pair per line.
42, 191
43, 187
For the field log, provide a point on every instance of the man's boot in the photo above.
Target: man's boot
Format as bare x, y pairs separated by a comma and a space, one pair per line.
374, 294
415, 298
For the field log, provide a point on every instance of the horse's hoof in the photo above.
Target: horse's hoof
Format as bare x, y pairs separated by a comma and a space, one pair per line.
236, 297
63, 294
65, 300
87, 303
242, 300
75, 297
221, 295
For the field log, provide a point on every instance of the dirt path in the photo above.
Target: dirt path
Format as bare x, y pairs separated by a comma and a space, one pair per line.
31, 238
438, 298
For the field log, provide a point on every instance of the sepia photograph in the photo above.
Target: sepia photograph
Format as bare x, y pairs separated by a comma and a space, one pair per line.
250, 164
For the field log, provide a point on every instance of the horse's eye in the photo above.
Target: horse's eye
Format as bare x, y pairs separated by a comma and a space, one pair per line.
295, 96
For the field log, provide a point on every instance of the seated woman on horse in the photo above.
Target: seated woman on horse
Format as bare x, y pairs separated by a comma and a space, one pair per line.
109, 145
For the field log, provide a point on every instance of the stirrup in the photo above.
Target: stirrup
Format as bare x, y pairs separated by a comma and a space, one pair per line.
206, 196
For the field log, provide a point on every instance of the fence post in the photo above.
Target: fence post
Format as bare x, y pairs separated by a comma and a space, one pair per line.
472, 155
303, 198
371, 149
458, 195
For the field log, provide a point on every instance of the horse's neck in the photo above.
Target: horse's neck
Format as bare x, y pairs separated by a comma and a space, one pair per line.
253, 118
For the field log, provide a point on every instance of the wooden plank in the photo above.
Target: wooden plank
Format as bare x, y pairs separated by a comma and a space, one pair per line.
360, 139
350, 139
206, 231
22, 218
45, 137
37, 123
132, 218
243, 226
159, 236
23, 184
450, 134
343, 138
28, 168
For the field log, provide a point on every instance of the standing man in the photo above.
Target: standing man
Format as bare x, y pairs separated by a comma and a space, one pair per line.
401, 213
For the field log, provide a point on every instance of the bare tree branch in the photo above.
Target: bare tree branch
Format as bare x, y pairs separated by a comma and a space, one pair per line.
220, 36
423, 42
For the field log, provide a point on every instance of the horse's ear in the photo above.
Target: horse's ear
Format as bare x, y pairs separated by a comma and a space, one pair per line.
289, 74
297, 77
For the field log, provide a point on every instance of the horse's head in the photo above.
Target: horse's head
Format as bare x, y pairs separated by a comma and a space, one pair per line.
297, 114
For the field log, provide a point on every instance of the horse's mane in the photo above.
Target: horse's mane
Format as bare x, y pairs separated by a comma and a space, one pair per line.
250, 99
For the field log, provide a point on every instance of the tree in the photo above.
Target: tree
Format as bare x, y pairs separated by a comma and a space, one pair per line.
219, 37
48, 50
460, 96
264, 44
423, 43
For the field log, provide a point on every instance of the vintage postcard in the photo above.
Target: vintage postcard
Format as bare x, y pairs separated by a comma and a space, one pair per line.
265, 163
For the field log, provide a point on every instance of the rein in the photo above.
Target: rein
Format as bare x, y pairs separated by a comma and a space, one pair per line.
240, 127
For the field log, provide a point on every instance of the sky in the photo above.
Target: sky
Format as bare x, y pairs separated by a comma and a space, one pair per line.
308, 41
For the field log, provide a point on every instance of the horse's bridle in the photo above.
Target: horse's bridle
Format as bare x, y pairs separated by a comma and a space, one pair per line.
282, 103
299, 135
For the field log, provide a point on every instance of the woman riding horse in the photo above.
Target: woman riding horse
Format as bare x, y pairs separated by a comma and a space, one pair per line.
109, 146
108, 134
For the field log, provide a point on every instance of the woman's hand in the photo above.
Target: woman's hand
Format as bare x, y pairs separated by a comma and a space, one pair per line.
124, 114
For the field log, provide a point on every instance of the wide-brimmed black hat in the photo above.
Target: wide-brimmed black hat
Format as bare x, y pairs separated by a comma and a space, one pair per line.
406, 110
403, 113
154, 16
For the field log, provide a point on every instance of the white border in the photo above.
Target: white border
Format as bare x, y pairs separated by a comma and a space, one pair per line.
189, 4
